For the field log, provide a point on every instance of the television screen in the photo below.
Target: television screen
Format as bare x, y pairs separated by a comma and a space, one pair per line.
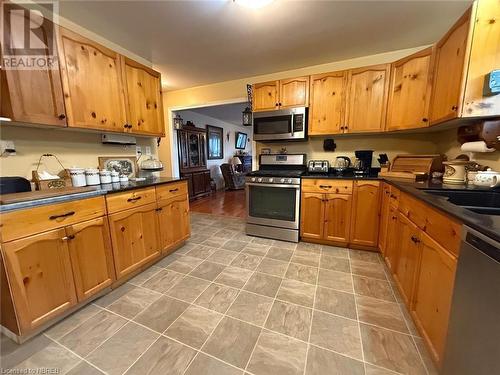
241, 140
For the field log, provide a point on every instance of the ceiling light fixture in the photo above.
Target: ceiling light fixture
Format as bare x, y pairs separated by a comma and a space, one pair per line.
253, 4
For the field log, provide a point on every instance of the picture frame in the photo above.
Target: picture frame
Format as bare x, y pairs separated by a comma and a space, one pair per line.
240, 140
125, 165
215, 142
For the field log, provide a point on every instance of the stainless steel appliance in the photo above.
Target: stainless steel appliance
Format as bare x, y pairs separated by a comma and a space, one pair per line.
318, 166
284, 124
342, 164
273, 197
474, 329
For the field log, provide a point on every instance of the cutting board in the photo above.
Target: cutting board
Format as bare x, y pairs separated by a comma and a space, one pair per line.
40, 194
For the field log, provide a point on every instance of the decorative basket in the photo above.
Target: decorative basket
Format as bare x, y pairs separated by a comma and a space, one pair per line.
63, 181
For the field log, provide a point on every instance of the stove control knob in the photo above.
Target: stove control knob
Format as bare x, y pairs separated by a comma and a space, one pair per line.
289, 181
259, 179
282, 180
271, 179
253, 179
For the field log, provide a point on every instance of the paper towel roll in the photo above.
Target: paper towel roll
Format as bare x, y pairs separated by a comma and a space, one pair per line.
478, 146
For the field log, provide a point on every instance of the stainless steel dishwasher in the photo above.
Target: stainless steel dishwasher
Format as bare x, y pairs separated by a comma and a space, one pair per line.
473, 344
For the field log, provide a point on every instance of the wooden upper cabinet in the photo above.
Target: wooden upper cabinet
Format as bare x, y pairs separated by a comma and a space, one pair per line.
327, 103
312, 215
265, 96
32, 96
450, 72
367, 99
92, 83
144, 100
91, 256
410, 91
40, 277
484, 57
365, 213
294, 92
337, 217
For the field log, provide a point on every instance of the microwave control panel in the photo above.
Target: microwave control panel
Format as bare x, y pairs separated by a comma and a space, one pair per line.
298, 123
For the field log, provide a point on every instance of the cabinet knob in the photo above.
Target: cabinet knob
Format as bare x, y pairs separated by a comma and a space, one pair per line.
62, 116
279, 104
454, 108
341, 128
425, 119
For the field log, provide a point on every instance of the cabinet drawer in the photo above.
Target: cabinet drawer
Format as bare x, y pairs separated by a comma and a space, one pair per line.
130, 199
394, 196
168, 191
413, 209
22, 223
327, 186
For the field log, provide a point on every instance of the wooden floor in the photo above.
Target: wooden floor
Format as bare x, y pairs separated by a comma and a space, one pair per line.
227, 203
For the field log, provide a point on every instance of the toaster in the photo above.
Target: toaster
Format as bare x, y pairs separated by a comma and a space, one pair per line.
318, 166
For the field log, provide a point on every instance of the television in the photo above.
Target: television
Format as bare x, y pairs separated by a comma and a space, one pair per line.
241, 140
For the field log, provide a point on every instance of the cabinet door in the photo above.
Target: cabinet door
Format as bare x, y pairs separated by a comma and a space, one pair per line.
365, 213
433, 292
327, 107
173, 218
33, 96
135, 237
144, 102
392, 248
312, 215
194, 149
92, 83
294, 92
409, 257
337, 217
265, 96
40, 277
449, 73
91, 256
410, 90
367, 99
384, 218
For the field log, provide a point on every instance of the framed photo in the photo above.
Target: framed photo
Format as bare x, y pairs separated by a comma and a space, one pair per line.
125, 165
215, 142
240, 140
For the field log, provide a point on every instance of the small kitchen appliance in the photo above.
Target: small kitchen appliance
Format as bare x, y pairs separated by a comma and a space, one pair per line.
284, 124
318, 166
363, 163
149, 167
342, 164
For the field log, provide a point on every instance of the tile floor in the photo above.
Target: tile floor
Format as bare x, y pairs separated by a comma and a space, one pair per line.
227, 303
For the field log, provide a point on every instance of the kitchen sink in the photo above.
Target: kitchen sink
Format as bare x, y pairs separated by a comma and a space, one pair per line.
480, 201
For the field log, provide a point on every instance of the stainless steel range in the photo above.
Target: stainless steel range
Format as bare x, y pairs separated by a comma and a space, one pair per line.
273, 197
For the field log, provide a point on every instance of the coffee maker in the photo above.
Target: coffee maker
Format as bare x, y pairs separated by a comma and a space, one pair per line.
363, 163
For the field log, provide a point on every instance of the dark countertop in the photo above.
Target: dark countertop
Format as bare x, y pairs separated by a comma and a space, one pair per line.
92, 191
486, 224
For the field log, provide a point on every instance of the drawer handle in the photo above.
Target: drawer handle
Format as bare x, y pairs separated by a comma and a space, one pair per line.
415, 239
54, 217
325, 186
174, 190
133, 199
159, 209
67, 238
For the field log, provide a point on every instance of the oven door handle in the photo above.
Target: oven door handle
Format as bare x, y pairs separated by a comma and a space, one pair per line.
296, 187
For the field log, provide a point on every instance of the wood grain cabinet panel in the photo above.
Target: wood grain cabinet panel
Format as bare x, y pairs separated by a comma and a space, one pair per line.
312, 215
337, 217
91, 256
367, 99
173, 218
294, 92
32, 96
40, 277
92, 83
365, 213
265, 96
129, 199
135, 237
392, 248
433, 294
384, 218
327, 103
410, 91
144, 98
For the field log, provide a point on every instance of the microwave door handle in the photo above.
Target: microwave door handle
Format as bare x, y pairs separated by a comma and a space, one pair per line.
291, 124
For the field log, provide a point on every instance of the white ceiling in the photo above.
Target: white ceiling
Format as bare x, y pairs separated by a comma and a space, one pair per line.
199, 42
230, 113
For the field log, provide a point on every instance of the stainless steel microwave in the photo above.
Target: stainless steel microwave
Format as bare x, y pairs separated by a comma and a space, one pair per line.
284, 124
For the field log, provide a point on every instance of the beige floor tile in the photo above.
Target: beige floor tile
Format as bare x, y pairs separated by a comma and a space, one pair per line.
279, 253
163, 281
336, 280
313, 247
165, 356
208, 270
185, 264
255, 249
225, 233
232, 341
167, 260
92, 333
333, 263
322, 362
278, 355
132, 303
223, 256
145, 275
391, 350
115, 294
194, 326
272, 267
247, 261
198, 238
84, 368
368, 269
201, 251
188, 246
335, 251
188, 289
291, 320
217, 297
336, 333
116, 355
365, 256
72, 321
53, 356
234, 276
306, 257
250, 307
234, 245
424, 353
335, 302
375, 370
11, 354
215, 242
296, 292
409, 320
263, 241
369, 287
381, 313
261, 283
203, 364
160, 314
303, 273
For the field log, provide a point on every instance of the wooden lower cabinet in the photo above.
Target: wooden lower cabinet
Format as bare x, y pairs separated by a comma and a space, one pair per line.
40, 277
392, 247
135, 237
91, 256
384, 218
365, 213
173, 218
312, 215
433, 294
337, 217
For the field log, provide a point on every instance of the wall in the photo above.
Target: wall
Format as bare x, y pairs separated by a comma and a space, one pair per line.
229, 146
